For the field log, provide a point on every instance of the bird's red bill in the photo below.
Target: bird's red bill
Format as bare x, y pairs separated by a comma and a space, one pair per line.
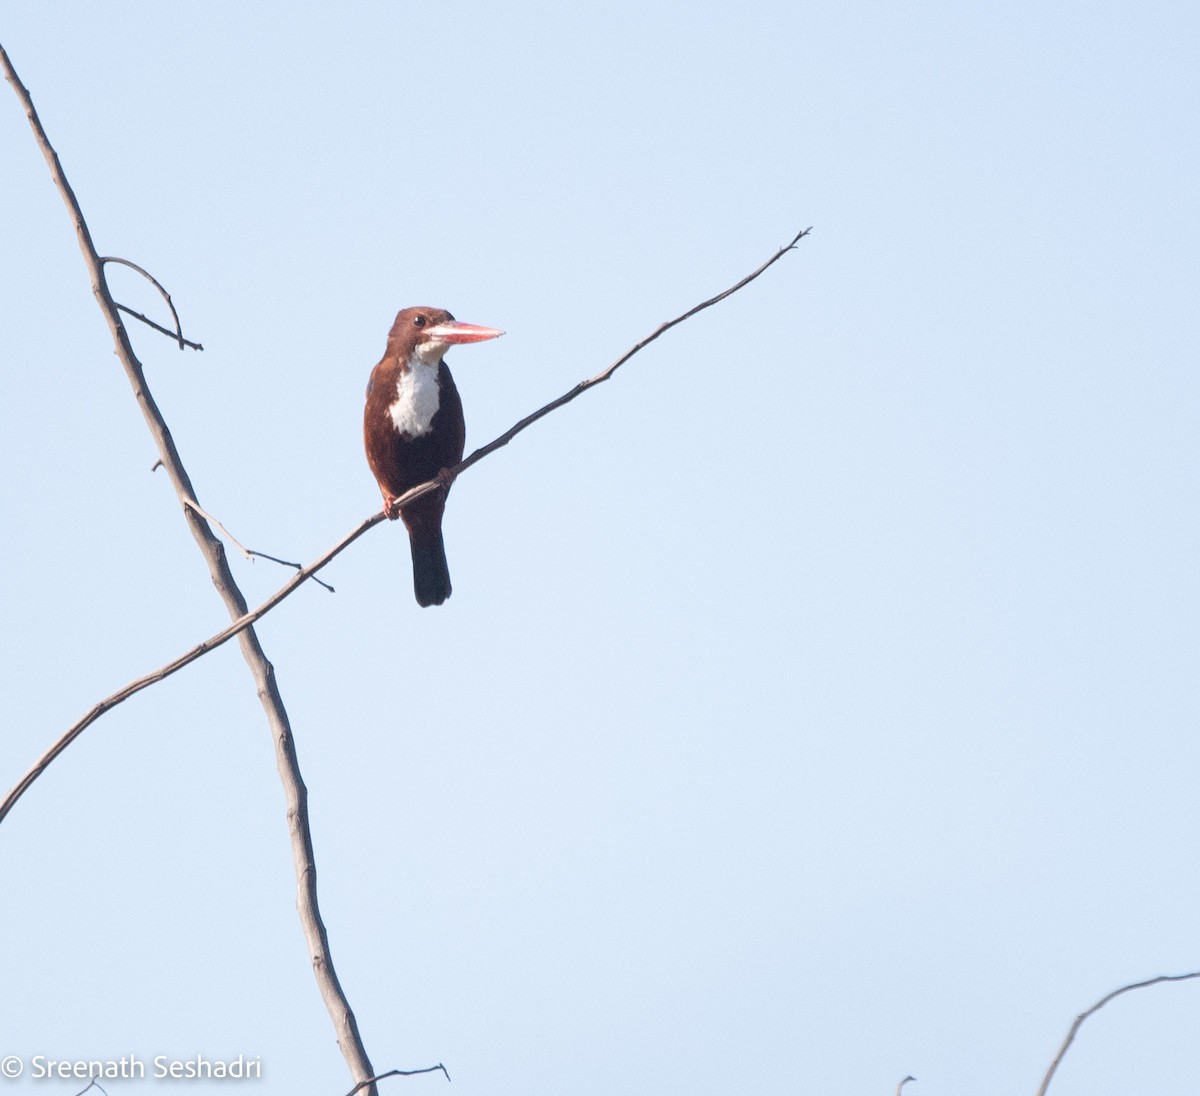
455, 332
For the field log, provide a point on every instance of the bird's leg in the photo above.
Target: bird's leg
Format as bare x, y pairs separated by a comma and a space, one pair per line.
390, 508
446, 477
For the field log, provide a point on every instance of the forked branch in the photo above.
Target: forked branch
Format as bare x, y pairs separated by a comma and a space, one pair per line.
248, 618
243, 618
177, 334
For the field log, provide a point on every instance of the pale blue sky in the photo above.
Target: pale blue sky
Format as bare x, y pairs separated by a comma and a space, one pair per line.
817, 703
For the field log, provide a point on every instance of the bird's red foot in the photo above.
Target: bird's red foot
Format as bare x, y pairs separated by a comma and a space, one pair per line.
390, 509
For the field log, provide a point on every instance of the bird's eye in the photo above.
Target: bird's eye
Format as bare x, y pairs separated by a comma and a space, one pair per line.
419, 321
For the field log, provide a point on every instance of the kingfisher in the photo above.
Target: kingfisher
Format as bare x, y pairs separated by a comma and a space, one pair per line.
414, 431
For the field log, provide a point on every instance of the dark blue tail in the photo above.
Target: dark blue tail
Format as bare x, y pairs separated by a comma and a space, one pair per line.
431, 573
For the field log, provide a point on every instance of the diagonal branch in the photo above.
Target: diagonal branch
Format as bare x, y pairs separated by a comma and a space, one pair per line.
606, 373
245, 621
1083, 1016
296, 794
249, 618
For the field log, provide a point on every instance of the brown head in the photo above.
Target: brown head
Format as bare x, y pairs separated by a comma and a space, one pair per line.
427, 333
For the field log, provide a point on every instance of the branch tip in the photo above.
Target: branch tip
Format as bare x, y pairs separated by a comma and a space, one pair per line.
398, 1073
1088, 1012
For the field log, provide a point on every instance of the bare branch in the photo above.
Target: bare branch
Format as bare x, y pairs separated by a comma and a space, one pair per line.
243, 618
250, 617
250, 553
93, 1083
604, 374
178, 332
1079, 1020
903, 1083
157, 326
399, 1073
193, 504
254, 553
211, 644
295, 793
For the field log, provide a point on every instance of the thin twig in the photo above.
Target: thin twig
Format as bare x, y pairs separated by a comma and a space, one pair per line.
398, 1073
1079, 1020
604, 374
295, 793
194, 505
157, 326
250, 553
255, 553
903, 1083
249, 618
177, 334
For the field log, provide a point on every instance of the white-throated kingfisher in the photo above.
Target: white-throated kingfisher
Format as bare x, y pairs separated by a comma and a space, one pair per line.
414, 431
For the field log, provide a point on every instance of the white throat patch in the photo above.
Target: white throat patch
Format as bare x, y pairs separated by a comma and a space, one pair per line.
417, 396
